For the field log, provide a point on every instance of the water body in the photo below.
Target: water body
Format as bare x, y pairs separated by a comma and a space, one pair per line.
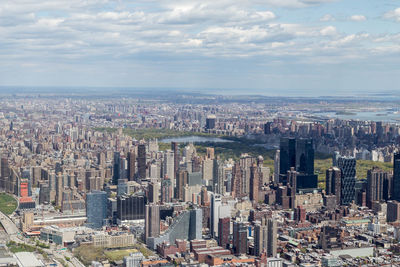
363, 116
194, 139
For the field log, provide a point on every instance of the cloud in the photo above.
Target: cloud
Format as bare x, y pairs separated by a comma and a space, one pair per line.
393, 15
358, 18
327, 17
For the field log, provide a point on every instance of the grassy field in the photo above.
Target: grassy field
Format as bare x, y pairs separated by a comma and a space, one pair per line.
7, 204
117, 255
88, 253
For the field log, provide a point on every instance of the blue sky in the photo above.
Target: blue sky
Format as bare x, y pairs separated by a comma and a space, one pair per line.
270, 46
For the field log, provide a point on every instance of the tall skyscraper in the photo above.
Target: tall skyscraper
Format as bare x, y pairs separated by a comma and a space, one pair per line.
333, 182
131, 165
375, 185
239, 238
141, 161
396, 177
298, 153
347, 165
254, 183
272, 237
260, 237
215, 204
224, 226
181, 181
96, 208
168, 166
175, 150
152, 221
117, 168
154, 189
277, 166
210, 122
130, 208
166, 191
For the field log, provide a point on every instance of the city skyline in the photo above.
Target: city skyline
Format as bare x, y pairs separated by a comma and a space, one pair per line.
310, 47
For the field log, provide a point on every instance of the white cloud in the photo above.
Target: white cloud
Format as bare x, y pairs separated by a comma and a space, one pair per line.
393, 14
358, 18
327, 17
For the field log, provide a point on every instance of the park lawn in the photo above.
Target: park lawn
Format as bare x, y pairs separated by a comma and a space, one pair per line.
117, 255
7, 204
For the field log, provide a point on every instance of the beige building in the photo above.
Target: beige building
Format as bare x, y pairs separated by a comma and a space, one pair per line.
113, 241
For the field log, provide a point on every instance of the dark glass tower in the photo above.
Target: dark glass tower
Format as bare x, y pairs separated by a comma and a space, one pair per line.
141, 164
396, 177
347, 165
117, 168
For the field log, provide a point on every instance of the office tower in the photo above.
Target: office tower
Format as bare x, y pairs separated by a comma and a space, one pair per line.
215, 204
393, 211
333, 182
175, 150
260, 237
375, 185
117, 168
59, 189
44, 193
101, 159
254, 183
396, 177
272, 237
210, 122
131, 165
287, 155
154, 189
181, 182
152, 221
204, 196
166, 191
131, 208
168, 166
5, 173
347, 165
141, 161
298, 153
224, 226
276, 166
267, 128
218, 177
335, 158
96, 208
239, 238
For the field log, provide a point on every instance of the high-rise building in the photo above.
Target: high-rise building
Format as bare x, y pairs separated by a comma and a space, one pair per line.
393, 211
333, 182
260, 237
141, 161
396, 177
96, 208
215, 204
254, 183
154, 189
272, 237
267, 128
210, 122
375, 185
152, 221
134, 260
239, 238
347, 165
175, 150
224, 226
131, 208
131, 165
166, 191
298, 153
181, 182
277, 166
168, 166
117, 168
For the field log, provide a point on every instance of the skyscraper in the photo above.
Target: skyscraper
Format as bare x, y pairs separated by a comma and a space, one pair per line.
277, 166
347, 165
375, 185
131, 165
333, 182
396, 177
239, 238
287, 155
131, 207
254, 183
141, 161
224, 226
152, 221
175, 150
96, 208
117, 168
210, 122
272, 237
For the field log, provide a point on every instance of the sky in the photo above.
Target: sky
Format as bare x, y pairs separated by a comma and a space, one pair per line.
320, 47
